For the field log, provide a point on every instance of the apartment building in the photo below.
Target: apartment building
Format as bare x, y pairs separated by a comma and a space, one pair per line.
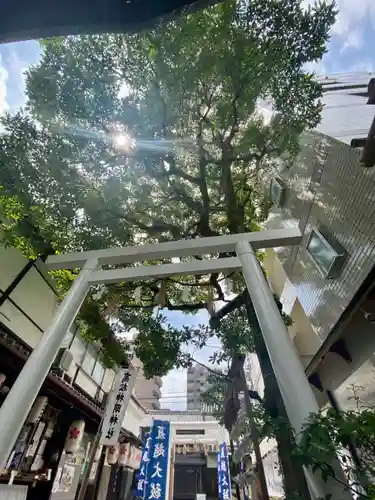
147, 391
196, 384
326, 283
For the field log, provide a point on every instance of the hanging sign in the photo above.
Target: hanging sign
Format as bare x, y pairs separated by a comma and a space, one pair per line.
158, 467
142, 473
118, 401
224, 474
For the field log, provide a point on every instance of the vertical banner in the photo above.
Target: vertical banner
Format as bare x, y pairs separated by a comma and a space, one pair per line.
218, 474
224, 475
140, 485
117, 405
157, 473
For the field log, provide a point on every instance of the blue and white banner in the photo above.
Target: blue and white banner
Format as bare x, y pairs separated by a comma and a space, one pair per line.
142, 474
223, 474
218, 474
158, 466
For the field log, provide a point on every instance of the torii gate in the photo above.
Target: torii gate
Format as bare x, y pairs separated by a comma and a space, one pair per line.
297, 394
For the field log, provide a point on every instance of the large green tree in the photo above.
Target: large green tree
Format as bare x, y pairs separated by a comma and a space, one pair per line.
188, 94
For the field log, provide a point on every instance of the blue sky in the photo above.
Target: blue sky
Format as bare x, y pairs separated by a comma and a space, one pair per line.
351, 49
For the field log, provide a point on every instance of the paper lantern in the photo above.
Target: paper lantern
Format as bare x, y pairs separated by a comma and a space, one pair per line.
75, 435
112, 454
135, 458
124, 452
37, 410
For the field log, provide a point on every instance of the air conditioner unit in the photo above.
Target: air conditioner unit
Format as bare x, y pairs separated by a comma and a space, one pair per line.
277, 191
64, 360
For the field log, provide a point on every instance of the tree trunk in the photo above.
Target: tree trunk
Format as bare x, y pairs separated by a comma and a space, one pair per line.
292, 471
234, 470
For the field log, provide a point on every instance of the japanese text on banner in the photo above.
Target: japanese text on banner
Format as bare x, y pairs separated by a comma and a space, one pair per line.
118, 401
156, 482
218, 474
224, 474
140, 485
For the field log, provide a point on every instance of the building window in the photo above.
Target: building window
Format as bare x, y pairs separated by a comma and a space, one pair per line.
89, 360
327, 253
98, 373
277, 191
78, 349
189, 432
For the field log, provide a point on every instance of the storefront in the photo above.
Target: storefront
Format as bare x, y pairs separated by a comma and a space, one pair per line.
52, 450
195, 470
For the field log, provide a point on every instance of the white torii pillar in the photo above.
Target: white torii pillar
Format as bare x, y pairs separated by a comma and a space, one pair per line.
296, 391
294, 386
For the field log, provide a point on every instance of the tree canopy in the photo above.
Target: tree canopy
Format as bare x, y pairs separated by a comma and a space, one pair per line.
160, 135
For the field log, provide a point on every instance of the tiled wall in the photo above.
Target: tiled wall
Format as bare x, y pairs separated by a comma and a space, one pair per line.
328, 186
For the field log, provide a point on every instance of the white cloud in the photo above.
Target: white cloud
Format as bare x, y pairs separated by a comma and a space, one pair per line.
3, 88
174, 390
319, 68
349, 22
354, 40
351, 14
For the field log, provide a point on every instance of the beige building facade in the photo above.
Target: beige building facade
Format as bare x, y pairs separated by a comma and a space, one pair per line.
196, 384
148, 391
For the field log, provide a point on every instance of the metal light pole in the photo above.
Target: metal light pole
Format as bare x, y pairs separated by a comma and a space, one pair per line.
297, 394
18, 403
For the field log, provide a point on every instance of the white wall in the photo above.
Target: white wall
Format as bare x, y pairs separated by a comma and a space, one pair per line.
11, 263
33, 296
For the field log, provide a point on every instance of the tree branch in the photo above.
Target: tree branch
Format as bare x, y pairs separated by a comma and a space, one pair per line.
210, 369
